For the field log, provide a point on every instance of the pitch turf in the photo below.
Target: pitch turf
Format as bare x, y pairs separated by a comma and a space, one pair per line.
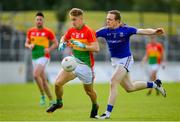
21, 102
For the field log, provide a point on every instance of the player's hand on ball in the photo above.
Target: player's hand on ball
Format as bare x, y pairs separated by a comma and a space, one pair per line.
62, 46
78, 44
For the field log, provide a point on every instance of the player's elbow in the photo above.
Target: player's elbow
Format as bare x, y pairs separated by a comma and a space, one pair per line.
56, 44
96, 48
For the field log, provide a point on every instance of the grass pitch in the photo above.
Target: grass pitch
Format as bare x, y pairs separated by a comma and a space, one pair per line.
21, 102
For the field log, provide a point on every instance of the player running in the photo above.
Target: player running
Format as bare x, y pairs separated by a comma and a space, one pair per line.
155, 57
82, 40
117, 37
37, 40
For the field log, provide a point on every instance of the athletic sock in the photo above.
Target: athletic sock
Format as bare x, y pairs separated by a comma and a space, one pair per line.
151, 84
94, 106
59, 101
42, 97
109, 110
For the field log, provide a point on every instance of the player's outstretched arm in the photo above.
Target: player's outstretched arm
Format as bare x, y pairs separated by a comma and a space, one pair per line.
149, 31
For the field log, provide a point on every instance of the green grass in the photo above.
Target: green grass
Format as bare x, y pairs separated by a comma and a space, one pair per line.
21, 102
23, 20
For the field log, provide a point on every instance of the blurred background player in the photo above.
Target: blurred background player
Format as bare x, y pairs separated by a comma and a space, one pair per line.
83, 41
117, 36
38, 40
155, 57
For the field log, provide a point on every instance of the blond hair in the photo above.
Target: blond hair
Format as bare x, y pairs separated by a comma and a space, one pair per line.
76, 12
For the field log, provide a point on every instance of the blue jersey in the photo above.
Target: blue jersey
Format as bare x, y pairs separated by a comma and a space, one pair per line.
117, 40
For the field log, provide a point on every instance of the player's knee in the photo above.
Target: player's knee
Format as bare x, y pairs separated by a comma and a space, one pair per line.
88, 93
35, 75
45, 83
113, 80
59, 83
56, 86
113, 84
129, 90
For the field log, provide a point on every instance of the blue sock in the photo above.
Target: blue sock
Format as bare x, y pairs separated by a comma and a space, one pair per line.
109, 108
42, 97
149, 84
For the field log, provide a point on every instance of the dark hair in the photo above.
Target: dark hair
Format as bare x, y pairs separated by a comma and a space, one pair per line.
116, 13
76, 12
40, 14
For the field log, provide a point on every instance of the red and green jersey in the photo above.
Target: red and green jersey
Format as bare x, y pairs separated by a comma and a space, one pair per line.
154, 52
86, 36
40, 38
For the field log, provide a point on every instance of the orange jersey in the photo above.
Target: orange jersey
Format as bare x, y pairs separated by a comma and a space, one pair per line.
40, 38
86, 36
154, 52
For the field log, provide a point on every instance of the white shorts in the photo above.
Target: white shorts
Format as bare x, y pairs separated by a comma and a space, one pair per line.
42, 61
153, 67
84, 73
126, 62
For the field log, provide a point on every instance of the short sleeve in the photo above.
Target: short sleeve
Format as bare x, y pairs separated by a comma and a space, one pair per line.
161, 48
100, 33
51, 35
28, 34
132, 30
67, 35
91, 36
